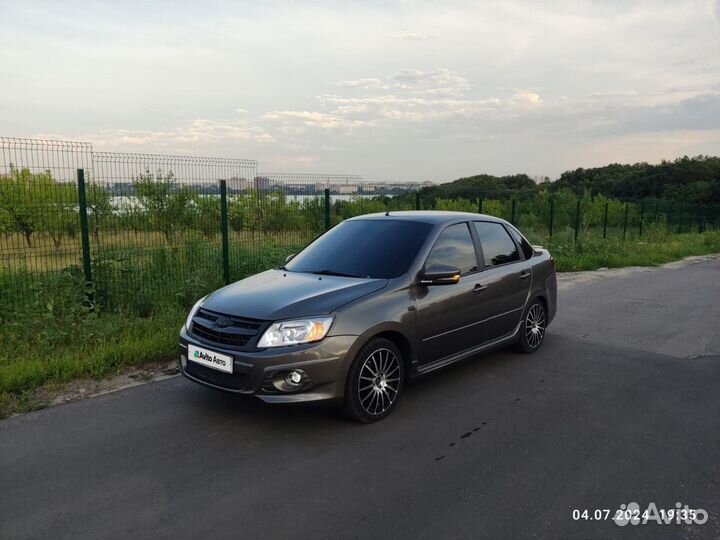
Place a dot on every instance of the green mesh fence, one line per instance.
(143, 230)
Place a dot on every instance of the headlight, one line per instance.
(192, 312)
(295, 332)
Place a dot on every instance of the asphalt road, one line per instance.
(621, 405)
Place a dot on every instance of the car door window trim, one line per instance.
(478, 266)
(509, 228)
(521, 255)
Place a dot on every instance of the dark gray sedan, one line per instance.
(369, 304)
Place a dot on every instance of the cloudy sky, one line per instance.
(406, 90)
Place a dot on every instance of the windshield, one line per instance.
(377, 248)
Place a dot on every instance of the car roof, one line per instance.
(427, 216)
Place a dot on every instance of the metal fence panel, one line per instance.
(156, 226)
(39, 221)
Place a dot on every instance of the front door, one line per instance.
(446, 313)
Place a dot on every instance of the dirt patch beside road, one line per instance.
(57, 394)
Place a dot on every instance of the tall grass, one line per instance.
(592, 252)
(140, 304)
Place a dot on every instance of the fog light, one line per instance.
(183, 360)
(293, 378)
(289, 381)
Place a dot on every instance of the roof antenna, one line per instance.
(388, 213)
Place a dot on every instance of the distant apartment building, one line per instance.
(262, 183)
(239, 183)
(344, 189)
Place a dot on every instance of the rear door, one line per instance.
(506, 277)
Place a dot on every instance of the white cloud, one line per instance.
(412, 36)
(433, 81)
(437, 81)
(527, 98)
(418, 96)
(200, 132)
(314, 119)
(362, 83)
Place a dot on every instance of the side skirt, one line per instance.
(448, 360)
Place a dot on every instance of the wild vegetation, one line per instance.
(688, 180)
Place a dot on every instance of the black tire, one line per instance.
(532, 327)
(374, 382)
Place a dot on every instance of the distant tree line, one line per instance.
(691, 180)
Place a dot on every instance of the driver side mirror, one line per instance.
(440, 274)
(289, 258)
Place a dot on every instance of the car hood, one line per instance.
(278, 294)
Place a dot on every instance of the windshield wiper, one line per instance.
(328, 272)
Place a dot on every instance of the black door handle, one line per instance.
(524, 274)
(477, 289)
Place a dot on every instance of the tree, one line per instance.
(33, 202)
(166, 205)
(245, 212)
(207, 210)
(693, 180)
(481, 185)
(99, 207)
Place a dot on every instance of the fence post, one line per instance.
(552, 215)
(417, 200)
(225, 231)
(327, 209)
(480, 204)
(605, 221)
(642, 216)
(577, 219)
(512, 218)
(85, 239)
(625, 223)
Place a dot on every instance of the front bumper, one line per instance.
(326, 363)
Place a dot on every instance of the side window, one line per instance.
(526, 248)
(455, 247)
(497, 246)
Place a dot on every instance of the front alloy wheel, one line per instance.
(532, 328)
(374, 382)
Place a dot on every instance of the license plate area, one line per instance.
(206, 357)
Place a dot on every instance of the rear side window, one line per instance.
(455, 247)
(526, 248)
(497, 246)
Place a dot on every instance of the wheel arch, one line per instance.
(397, 334)
(402, 343)
(540, 295)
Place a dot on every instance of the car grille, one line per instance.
(236, 332)
(232, 381)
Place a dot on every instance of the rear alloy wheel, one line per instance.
(532, 328)
(374, 382)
